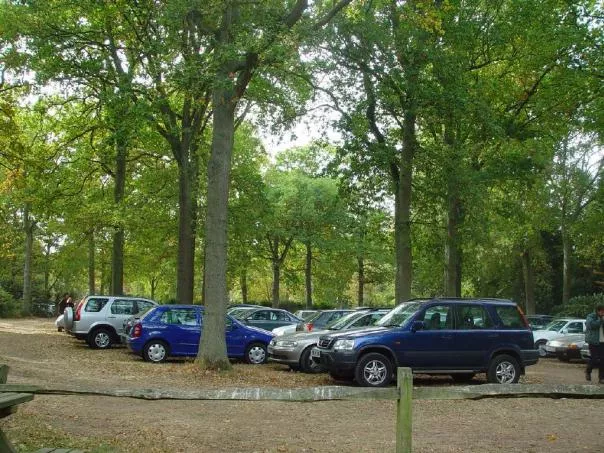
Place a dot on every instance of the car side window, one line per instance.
(472, 317)
(180, 316)
(143, 306)
(509, 316)
(261, 315)
(95, 305)
(363, 321)
(438, 317)
(575, 327)
(280, 316)
(122, 307)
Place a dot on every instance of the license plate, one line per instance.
(314, 352)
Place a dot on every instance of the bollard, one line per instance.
(404, 425)
(3, 374)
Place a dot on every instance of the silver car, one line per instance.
(295, 350)
(100, 319)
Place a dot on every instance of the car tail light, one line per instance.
(137, 331)
(78, 311)
(524, 320)
(308, 326)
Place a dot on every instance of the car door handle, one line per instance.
(111, 317)
(493, 335)
(446, 337)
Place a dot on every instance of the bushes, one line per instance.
(9, 307)
(580, 306)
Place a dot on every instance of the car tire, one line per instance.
(307, 365)
(563, 358)
(156, 351)
(341, 377)
(503, 369)
(59, 329)
(255, 354)
(68, 318)
(374, 370)
(540, 346)
(100, 338)
(463, 377)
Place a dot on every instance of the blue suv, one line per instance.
(460, 337)
(175, 330)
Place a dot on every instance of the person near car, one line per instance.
(69, 302)
(63, 303)
(594, 337)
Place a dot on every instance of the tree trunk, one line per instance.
(361, 281)
(308, 275)
(186, 235)
(529, 282)
(91, 263)
(243, 283)
(213, 345)
(28, 228)
(402, 214)
(452, 246)
(566, 270)
(47, 270)
(117, 255)
(153, 287)
(276, 282)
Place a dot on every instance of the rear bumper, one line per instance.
(529, 356)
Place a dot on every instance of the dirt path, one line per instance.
(38, 354)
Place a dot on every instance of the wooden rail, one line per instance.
(403, 394)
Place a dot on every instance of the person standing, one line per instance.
(63, 304)
(594, 337)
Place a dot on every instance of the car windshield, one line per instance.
(239, 313)
(555, 326)
(341, 323)
(399, 315)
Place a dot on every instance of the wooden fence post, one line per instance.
(3, 373)
(404, 420)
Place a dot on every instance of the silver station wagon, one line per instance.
(99, 320)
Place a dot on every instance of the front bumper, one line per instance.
(287, 356)
(341, 363)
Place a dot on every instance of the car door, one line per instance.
(235, 338)
(119, 311)
(182, 327)
(475, 336)
(575, 327)
(432, 346)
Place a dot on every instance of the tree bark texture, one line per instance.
(243, 284)
(91, 263)
(117, 254)
(361, 281)
(276, 283)
(529, 282)
(213, 344)
(308, 275)
(186, 235)
(566, 267)
(28, 228)
(453, 251)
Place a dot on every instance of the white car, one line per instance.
(556, 328)
(285, 330)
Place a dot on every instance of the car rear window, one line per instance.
(510, 316)
(180, 316)
(95, 305)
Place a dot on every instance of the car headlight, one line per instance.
(286, 343)
(344, 345)
(554, 344)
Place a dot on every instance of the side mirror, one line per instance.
(417, 325)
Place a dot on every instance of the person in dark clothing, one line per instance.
(63, 303)
(594, 337)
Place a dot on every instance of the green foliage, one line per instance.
(9, 307)
(580, 306)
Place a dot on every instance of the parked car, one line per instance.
(559, 326)
(44, 309)
(305, 314)
(100, 319)
(321, 319)
(566, 347)
(130, 322)
(175, 331)
(265, 318)
(585, 353)
(294, 350)
(460, 337)
(539, 322)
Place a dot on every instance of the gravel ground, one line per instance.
(37, 354)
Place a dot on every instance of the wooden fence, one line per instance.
(403, 394)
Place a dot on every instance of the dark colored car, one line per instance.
(265, 318)
(321, 319)
(460, 337)
(175, 330)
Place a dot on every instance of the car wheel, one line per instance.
(68, 318)
(504, 369)
(155, 351)
(59, 329)
(540, 345)
(374, 370)
(563, 358)
(463, 377)
(307, 364)
(255, 354)
(100, 338)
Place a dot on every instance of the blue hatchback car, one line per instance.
(174, 331)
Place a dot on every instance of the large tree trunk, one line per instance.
(276, 282)
(402, 211)
(213, 345)
(28, 228)
(91, 263)
(361, 281)
(308, 275)
(452, 246)
(529, 282)
(243, 283)
(117, 255)
(186, 235)
(566, 269)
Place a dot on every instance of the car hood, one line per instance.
(300, 336)
(258, 330)
(356, 333)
